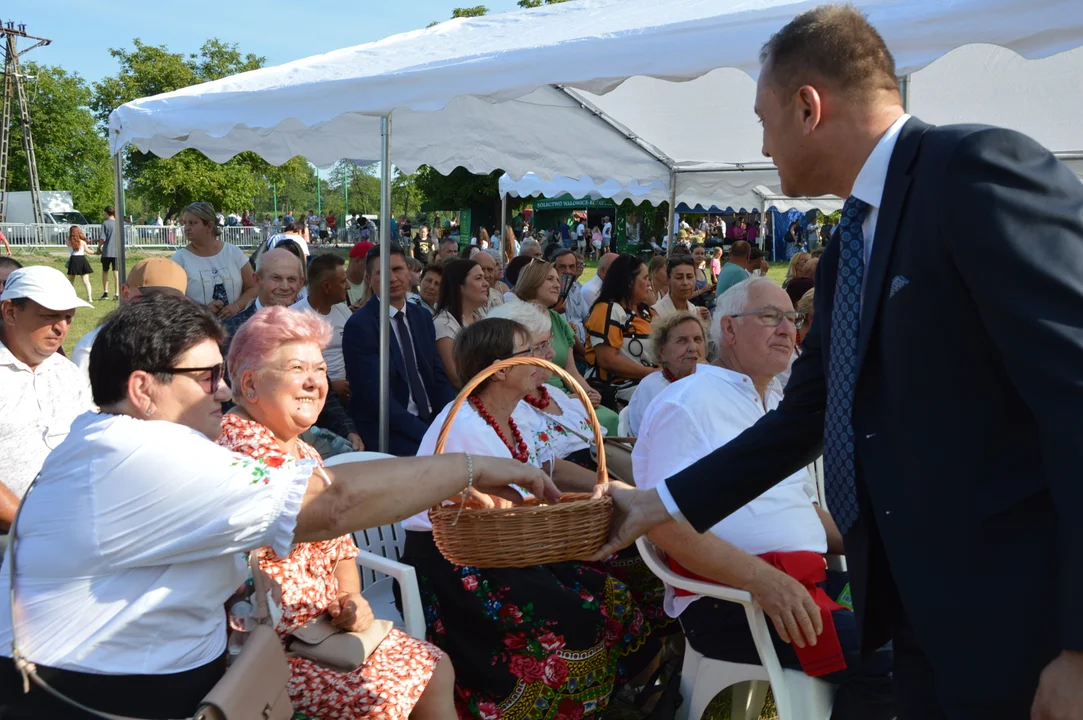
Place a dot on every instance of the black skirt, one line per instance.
(175, 695)
(79, 265)
(540, 641)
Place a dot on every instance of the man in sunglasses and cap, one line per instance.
(43, 392)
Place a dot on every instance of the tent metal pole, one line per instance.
(503, 220)
(904, 91)
(672, 213)
(118, 205)
(385, 283)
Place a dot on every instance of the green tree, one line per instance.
(172, 183)
(476, 11)
(71, 154)
(538, 3)
(459, 189)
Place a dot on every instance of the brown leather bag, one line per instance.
(254, 687)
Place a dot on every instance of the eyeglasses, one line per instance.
(539, 351)
(772, 316)
(215, 379)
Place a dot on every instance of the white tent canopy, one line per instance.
(584, 89)
(503, 91)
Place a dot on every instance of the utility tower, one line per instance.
(14, 88)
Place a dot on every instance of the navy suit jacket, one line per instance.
(361, 351)
(966, 413)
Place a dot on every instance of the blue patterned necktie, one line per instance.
(840, 481)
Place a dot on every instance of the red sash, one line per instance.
(809, 569)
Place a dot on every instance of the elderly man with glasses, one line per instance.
(774, 546)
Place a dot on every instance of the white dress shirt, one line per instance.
(700, 413)
(591, 291)
(576, 311)
(647, 390)
(869, 186)
(37, 408)
(131, 542)
(411, 406)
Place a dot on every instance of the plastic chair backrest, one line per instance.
(386, 540)
(351, 457)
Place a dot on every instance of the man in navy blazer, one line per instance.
(940, 379)
(419, 385)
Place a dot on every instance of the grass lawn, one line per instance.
(86, 318)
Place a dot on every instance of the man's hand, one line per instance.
(351, 612)
(594, 396)
(228, 311)
(342, 387)
(789, 605)
(355, 441)
(634, 513)
(1060, 690)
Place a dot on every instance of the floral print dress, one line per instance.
(390, 682)
(545, 642)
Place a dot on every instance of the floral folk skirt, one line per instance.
(549, 641)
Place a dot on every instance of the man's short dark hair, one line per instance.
(677, 261)
(561, 253)
(835, 44)
(9, 262)
(321, 266)
(374, 254)
(148, 335)
(109, 210)
(449, 239)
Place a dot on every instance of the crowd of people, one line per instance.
(275, 357)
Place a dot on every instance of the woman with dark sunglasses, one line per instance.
(130, 540)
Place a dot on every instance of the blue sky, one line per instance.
(82, 31)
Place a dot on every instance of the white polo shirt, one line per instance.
(36, 410)
(695, 416)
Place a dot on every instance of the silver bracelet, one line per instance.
(469, 484)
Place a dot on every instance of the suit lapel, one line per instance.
(887, 225)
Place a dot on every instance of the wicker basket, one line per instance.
(531, 533)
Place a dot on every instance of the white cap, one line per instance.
(44, 285)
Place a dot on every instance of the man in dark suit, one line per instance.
(941, 381)
(419, 386)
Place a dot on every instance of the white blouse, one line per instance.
(132, 541)
(561, 435)
(469, 433)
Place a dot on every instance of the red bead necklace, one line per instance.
(519, 449)
(542, 401)
(668, 375)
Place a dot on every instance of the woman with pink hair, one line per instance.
(279, 386)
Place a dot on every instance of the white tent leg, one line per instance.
(503, 221)
(672, 213)
(385, 283)
(118, 231)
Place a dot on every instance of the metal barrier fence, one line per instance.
(135, 236)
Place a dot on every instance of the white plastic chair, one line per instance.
(378, 562)
(816, 470)
(624, 428)
(797, 696)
